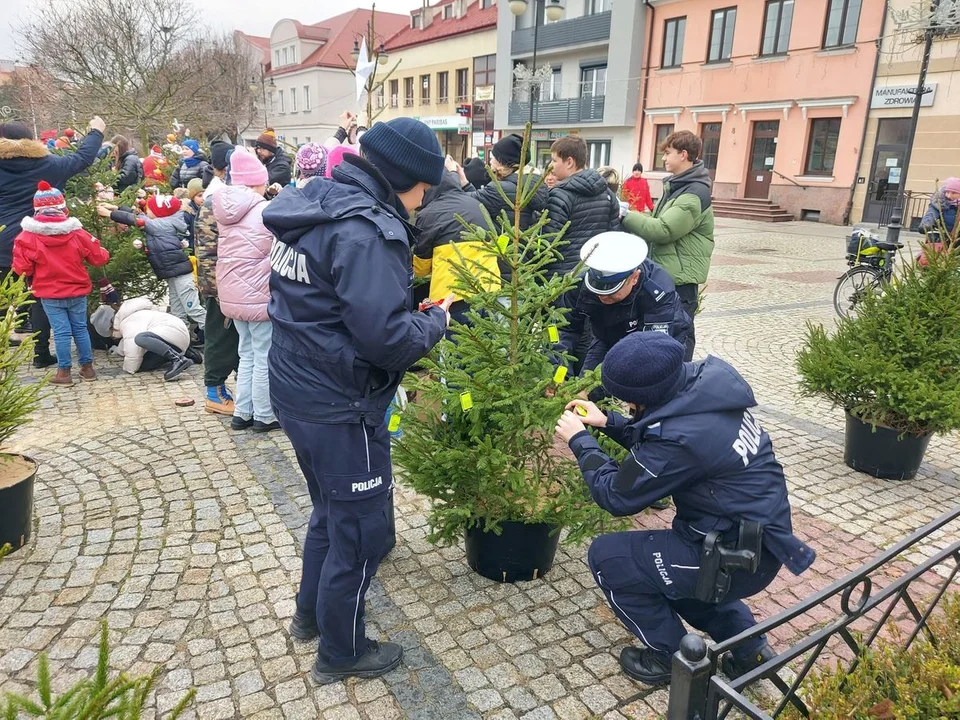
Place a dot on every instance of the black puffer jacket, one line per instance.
(490, 198)
(131, 171)
(183, 173)
(586, 202)
(163, 240)
(278, 169)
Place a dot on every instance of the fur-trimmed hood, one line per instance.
(59, 227)
(28, 149)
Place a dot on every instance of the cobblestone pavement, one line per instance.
(186, 538)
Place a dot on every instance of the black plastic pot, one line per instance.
(883, 453)
(523, 551)
(16, 509)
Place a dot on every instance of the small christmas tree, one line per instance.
(480, 440)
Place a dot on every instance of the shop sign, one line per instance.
(445, 122)
(898, 96)
(483, 93)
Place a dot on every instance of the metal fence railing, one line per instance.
(915, 204)
(860, 610)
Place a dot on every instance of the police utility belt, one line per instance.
(718, 561)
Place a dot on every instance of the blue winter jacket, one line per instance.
(653, 305)
(23, 164)
(164, 241)
(344, 326)
(706, 449)
(940, 214)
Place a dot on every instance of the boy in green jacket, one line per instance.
(680, 229)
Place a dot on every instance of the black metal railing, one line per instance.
(575, 31)
(790, 180)
(558, 112)
(915, 204)
(698, 692)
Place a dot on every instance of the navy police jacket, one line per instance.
(653, 305)
(706, 449)
(344, 330)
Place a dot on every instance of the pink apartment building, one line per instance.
(779, 91)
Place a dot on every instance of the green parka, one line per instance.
(680, 229)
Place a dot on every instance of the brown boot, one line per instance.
(87, 372)
(63, 377)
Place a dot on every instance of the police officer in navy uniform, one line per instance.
(622, 292)
(344, 332)
(690, 434)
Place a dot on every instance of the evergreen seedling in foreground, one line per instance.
(479, 442)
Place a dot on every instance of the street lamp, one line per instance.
(553, 9)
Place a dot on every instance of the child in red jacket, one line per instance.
(636, 190)
(51, 249)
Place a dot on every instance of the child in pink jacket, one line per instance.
(243, 285)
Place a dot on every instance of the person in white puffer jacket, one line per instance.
(150, 338)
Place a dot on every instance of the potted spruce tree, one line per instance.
(18, 400)
(479, 441)
(894, 368)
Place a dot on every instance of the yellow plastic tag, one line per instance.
(580, 410)
(394, 424)
(502, 242)
(560, 375)
(466, 402)
(553, 334)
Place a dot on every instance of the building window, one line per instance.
(293, 100)
(306, 99)
(408, 92)
(822, 147)
(843, 16)
(295, 141)
(593, 81)
(598, 153)
(415, 21)
(307, 138)
(448, 11)
(394, 93)
(484, 4)
(276, 61)
(463, 85)
(673, 32)
(597, 6)
(443, 87)
(722, 23)
(662, 133)
(380, 98)
(424, 89)
(777, 20)
(550, 90)
(280, 95)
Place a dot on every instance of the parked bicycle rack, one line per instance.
(698, 692)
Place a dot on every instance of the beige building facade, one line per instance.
(936, 147)
(446, 74)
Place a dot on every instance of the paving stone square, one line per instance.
(186, 538)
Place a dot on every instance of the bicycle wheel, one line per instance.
(854, 284)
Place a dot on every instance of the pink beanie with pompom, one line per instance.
(336, 157)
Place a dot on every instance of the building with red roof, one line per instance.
(446, 73)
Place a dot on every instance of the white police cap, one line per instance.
(611, 258)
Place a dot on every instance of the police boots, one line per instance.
(303, 627)
(734, 668)
(646, 665)
(379, 659)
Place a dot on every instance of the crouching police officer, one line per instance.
(622, 292)
(691, 435)
(344, 332)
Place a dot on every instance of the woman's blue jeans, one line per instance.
(68, 318)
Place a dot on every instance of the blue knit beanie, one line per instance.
(406, 151)
(192, 144)
(644, 368)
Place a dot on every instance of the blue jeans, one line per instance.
(68, 318)
(253, 377)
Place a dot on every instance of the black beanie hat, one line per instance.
(218, 154)
(507, 150)
(476, 172)
(406, 151)
(644, 368)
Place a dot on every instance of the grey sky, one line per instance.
(252, 16)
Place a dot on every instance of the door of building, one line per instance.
(883, 184)
(763, 152)
(710, 134)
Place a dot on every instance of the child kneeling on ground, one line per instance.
(52, 249)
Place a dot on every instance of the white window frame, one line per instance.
(280, 95)
(306, 99)
(293, 99)
(598, 153)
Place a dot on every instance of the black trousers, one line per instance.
(220, 345)
(38, 320)
(689, 301)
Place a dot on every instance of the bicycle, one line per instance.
(871, 263)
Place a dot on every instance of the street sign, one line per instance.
(464, 110)
(898, 96)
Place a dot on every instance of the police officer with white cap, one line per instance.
(622, 292)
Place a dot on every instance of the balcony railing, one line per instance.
(576, 31)
(559, 112)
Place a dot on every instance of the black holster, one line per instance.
(718, 561)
